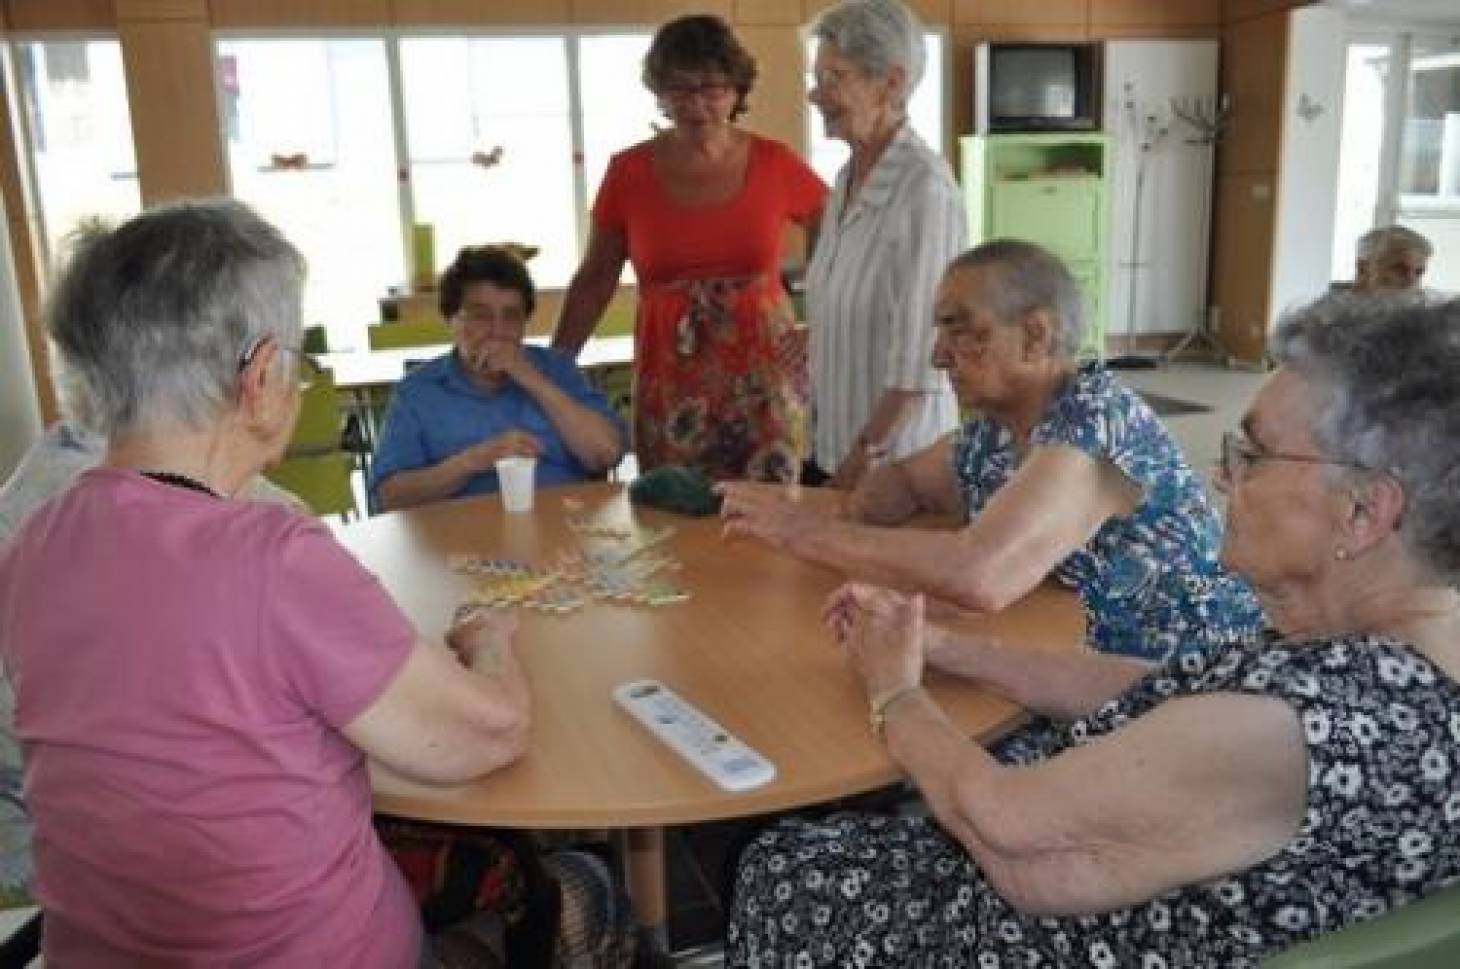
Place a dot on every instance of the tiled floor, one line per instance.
(1226, 391)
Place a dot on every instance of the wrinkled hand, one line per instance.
(504, 358)
(483, 455)
(881, 634)
(482, 640)
(763, 511)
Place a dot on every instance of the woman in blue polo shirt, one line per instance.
(451, 419)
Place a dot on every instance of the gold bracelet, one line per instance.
(879, 707)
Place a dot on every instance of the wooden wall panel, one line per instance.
(618, 12)
(1253, 65)
(1022, 13)
(23, 15)
(1242, 261)
(161, 10)
(409, 13)
(22, 221)
(1235, 10)
(1153, 14)
(778, 103)
(169, 68)
(767, 12)
(246, 14)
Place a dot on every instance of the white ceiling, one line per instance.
(1432, 11)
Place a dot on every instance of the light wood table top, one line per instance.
(366, 369)
(748, 648)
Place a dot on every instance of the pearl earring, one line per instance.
(1341, 554)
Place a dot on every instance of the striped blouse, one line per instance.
(869, 299)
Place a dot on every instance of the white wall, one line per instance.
(1168, 273)
(1308, 163)
(20, 418)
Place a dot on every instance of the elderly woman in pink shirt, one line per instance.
(200, 680)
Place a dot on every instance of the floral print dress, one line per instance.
(1381, 726)
(1151, 584)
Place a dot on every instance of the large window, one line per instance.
(308, 127)
(491, 145)
(1406, 88)
(486, 138)
(926, 111)
(80, 134)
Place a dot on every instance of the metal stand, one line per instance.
(1207, 119)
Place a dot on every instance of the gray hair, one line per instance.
(876, 35)
(1030, 278)
(1392, 237)
(152, 319)
(1384, 370)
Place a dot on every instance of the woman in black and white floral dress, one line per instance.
(1227, 806)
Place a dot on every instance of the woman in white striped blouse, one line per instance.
(893, 223)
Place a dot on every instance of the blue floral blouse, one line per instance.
(1151, 583)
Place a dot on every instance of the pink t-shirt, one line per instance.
(182, 668)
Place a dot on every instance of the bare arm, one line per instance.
(1201, 787)
(1051, 507)
(589, 436)
(445, 719)
(920, 483)
(593, 285)
(419, 486)
(1065, 685)
(1195, 788)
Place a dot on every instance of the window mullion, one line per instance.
(402, 154)
(575, 127)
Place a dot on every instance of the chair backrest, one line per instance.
(388, 336)
(321, 481)
(618, 316)
(1422, 935)
(320, 418)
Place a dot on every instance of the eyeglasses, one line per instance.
(712, 90)
(311, 371)
(1239, 456)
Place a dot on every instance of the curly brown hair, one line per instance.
(700, 42)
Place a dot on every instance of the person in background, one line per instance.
(1391, 258)
(893, 223)
(199, 680)
(1065, 473)
(700, 210)
(1228, 806)
(491, 397)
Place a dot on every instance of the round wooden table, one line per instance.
(748, 648)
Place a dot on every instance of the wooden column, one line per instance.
(168, 54)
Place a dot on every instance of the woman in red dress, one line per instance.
(700, 210)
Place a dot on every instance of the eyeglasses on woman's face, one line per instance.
(686, 89)
(1240, 455)
(310, 369)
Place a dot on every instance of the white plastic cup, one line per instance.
(516, 476)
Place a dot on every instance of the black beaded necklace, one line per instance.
(180, 481)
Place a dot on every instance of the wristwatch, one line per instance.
(878, 707)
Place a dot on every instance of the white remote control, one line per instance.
(719, 755)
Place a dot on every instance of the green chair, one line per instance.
(618, 317)
(1422, 935)
(616, 382)
(315, 466)
(392, 336)
(321, 481)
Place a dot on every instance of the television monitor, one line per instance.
(1036, 87)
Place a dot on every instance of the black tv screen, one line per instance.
(1038, 86)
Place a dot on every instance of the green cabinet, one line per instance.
(1051, 189)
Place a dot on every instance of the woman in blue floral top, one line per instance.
(1228, 806)
(1064, 473)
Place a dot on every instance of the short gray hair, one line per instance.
(876, 35)
(151, 319)
(1030, 278)
(1384, 370)
(1392, 237)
